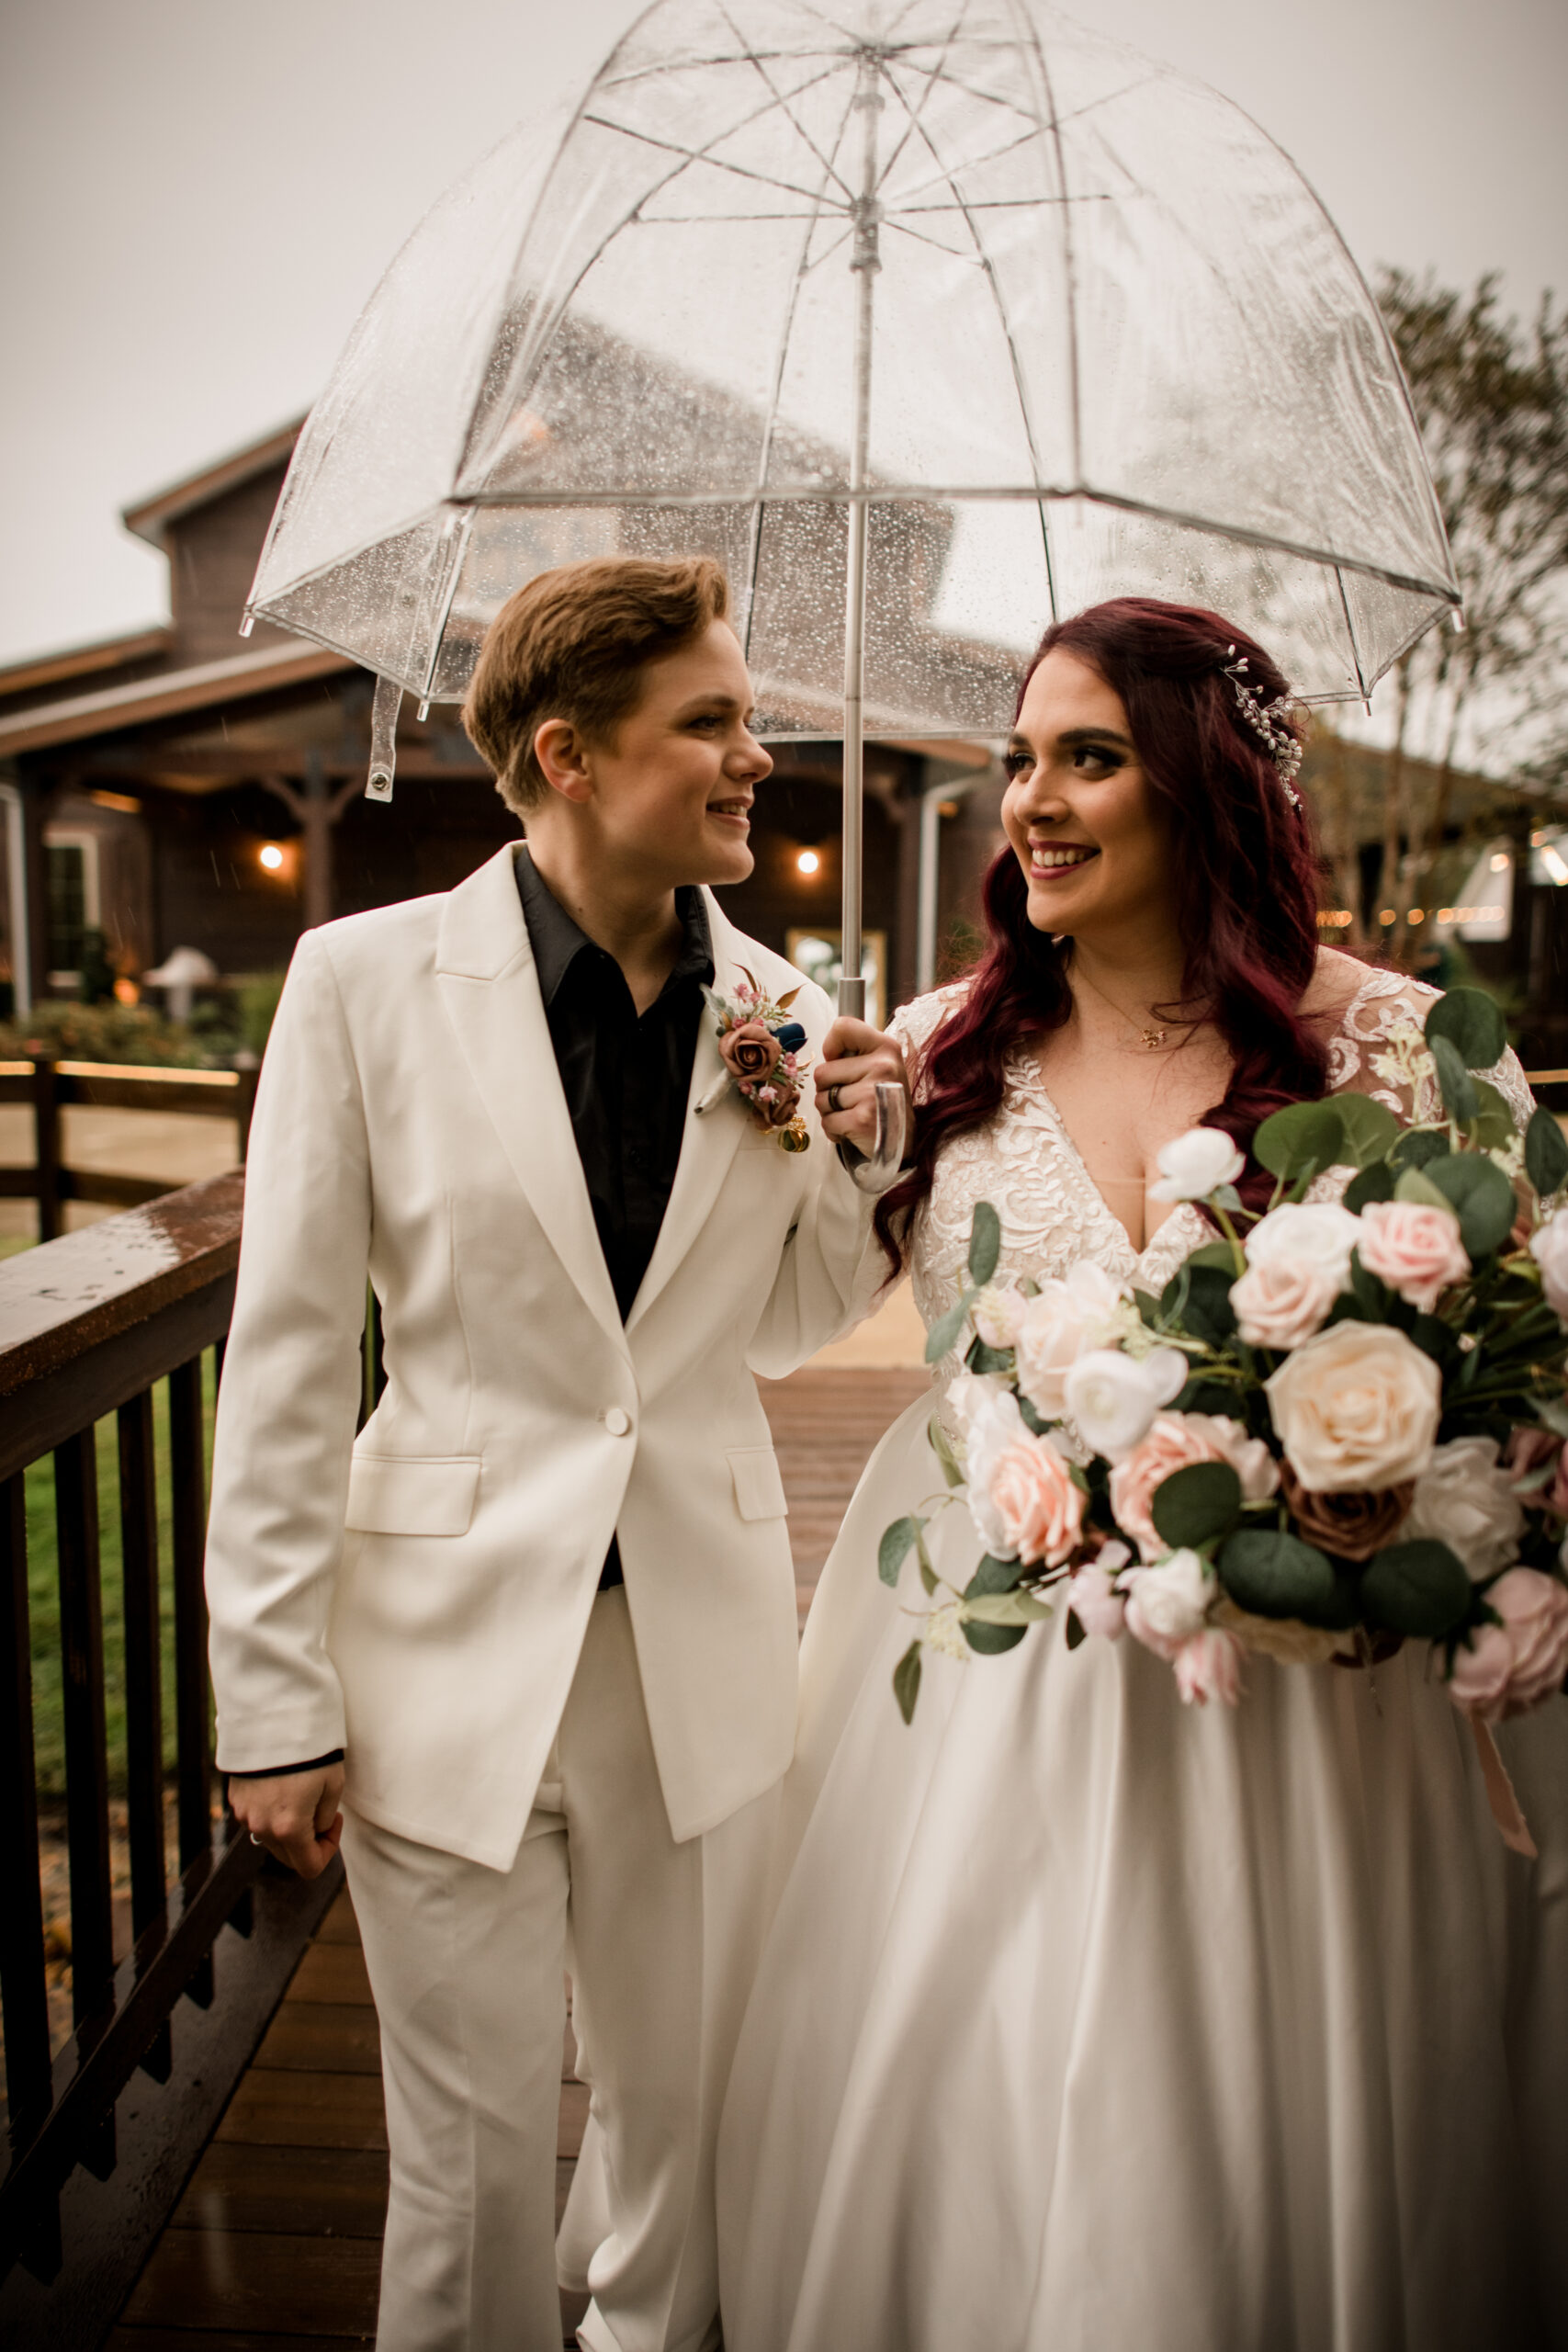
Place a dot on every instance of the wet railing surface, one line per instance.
(89, 1326)
(49, 1086)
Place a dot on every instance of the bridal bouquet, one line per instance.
(1340, 1428)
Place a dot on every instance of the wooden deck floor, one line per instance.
(277, 2242)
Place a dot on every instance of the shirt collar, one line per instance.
(557, 941)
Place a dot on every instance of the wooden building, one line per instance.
(182, 788)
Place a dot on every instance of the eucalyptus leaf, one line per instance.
(991, 1640)
(942, 1446)
(1005, 1609)
(1494, 1127)
(1480, 1196)
(1375, 1182)
(894, 1548)
(1075, 1632)
(1369, 1128)
(1214, 1254)
(1552, 1415)
(994, 1576)
(1033, 1420)
(1469, 1020)
(1460, 1098)
(982, 1358)
(906, 1681)
(1303, 1137)
(1419, 1588)
(1207, 1312)
(943, 1333)
(928, 1574)
(1368, 1292)
(1274, 1573)
(1416, 1146)
(985, 1243)
(1196, 1504)
(1148, 1308)
(1416, 1185)
(1546, 1153)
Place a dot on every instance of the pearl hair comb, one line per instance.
(1267, 720)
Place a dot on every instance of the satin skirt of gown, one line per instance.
(1088, 2021)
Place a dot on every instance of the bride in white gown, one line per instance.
(1088, 2022)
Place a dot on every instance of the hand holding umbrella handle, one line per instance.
(878, 1170)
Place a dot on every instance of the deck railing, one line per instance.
(49, 1086)
(89, 1325)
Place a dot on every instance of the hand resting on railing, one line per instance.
(295, 1815)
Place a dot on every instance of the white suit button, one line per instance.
(618, 1423)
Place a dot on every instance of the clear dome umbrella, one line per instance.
(933, 319)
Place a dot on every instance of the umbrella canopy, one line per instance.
(952, 295)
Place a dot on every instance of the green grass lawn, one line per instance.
(43, 1592)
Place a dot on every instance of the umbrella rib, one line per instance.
(1069, 265)
(702, 155)
(780, 100)
(932, 74)
(944, 173)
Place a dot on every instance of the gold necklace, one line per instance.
(1153, 1039)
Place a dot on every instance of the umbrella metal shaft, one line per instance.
(864, 263)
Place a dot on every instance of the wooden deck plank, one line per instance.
(205, 2339)
(302, 2192)
(274, 2108)
(308, 2035)
(333, 1973)
(239, 2279)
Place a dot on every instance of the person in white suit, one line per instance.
(535, 1626)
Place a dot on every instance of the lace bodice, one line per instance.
(1051, 1211)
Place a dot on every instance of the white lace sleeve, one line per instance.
(916, 1023)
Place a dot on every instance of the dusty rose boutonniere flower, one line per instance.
(759, 1045)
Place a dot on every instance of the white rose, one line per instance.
(1548, 1247)
(1321, 1236)
(1357, 1409)
(1166, 1606)
(968, 1393)
(1464, 1500)
(993, 1424)
(1197, 1164)
(1280, 1302)
(998, 1315)
(1112, 1399)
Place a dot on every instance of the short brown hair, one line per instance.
(573, 644)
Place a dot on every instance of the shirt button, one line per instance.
(618, 1423)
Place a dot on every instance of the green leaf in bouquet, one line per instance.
(1493, 1127)
(906, 1681)
(1416, 1146)
(1194, 1505)
(1274, 1573)
(1033, 1420)
(1469, 1020)
(1420, 1588)
(1214, 1253)
(1371, 1129)
(1434, 1338)
(1552, 1415)
(994, 1576)
(1415, 1184)
(928, 1574)
(1206, 1313)
(942, 1446)
(985, 1244)
(1460, 1098)
(1374, 1297)
(1301, 1140)
(1546, 1153)
(1148, 1308)
(943, 1333)
(1342, 1607)
(991, 1640)
(1481, 1196)
(894, 1548)
(1204, 1396)
(1374, 1183)
(1076, 1633)
(981, 1358)
(1005, 1609)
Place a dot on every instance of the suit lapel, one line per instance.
(710, 1138)
(484, 968)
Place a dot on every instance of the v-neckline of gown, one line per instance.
(1196, 1223)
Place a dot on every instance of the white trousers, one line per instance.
(466, 1967)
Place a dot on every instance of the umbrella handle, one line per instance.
(878, 1171)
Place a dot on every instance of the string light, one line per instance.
(270, 855)
(808, 862)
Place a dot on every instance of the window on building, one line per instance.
(70, 899)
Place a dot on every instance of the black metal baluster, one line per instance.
(24, 1992)
(187, 1481)
(143, 1685)
(86, 1758)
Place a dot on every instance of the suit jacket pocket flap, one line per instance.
(393, 1494)
(759, 1490)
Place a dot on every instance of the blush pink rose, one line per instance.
(1280, 1302)
(1510, 1668)
(1094, 1600)
(1207, 1666)
(1176, 1440)
(1038, 1506)
(1416, 1250)
(1478, 1682)
(1531, 1448)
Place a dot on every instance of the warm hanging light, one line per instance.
(270, 855)
(808, 862)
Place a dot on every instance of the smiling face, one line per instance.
(670, 794)
(1091, 836)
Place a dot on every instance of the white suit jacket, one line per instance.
(419, 1597)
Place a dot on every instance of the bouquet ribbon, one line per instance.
(1506, 1811)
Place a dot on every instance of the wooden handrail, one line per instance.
(50, 1087)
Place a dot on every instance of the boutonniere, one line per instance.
(759, 1044)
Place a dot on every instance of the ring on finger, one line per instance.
(834, 1104)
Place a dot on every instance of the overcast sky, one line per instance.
(196, 197)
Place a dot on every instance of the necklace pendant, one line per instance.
(1152, 1037)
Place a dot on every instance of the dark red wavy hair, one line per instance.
(1246, 876)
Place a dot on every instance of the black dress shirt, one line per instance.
(625, 1076)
